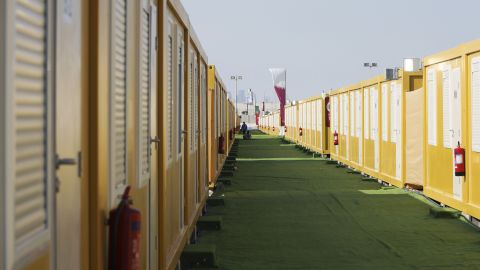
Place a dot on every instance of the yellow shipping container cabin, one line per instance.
(313, 115)
(275, 122)
(368, 117)
(268, 122)
(452, 116)
(291, 122)
(97, 96)
(218, 105)
(302, 119)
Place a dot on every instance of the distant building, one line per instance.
(250, 118)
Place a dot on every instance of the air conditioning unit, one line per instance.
(412, 64)
(391, 74)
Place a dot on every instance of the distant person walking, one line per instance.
(243, 128)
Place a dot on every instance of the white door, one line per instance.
(346, 123)
(358, 125)
(196, 128)
(68, 133)
(456, 127)
(374, 124)
(398, 130)
(149, 17)
(181, 121)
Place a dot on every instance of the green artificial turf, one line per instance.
(286, 210)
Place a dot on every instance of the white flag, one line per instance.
(279, 76)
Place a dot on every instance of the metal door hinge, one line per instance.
(57, 185)
(79, 167)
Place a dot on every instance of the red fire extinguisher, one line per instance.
(335, 138)
(221, 144)
(459, 156)
(301, 132)
(124, 236)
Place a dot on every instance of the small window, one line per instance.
(366, 113)
(384, 112)
(393, 112)
(358, 116)
(191, 99)
(352, 114)
(432, 106)
(475, 103)
(446, 108)
(169, 104)
(373, 114)
(204, 103)
(195, 103)
(26, 145)
(180, 103)
(345, 114)
(118, 101)
(144, 96)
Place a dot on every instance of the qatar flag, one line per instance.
(279, 76)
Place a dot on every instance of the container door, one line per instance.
(352, 121)
(204, 127)
(181, 123)
(456, 127)
(358, 123)
(346, 115)
(374, 125)
(149, 59)
(196, 127)
(320, 124)
(68, 134)
(398, 129)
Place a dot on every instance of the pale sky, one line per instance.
(324, 43)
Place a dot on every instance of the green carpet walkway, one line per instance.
(286, 210)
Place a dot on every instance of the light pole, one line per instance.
(370, 65)
(236, 78)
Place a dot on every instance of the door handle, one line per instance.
(64, 161)
(155, 140)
